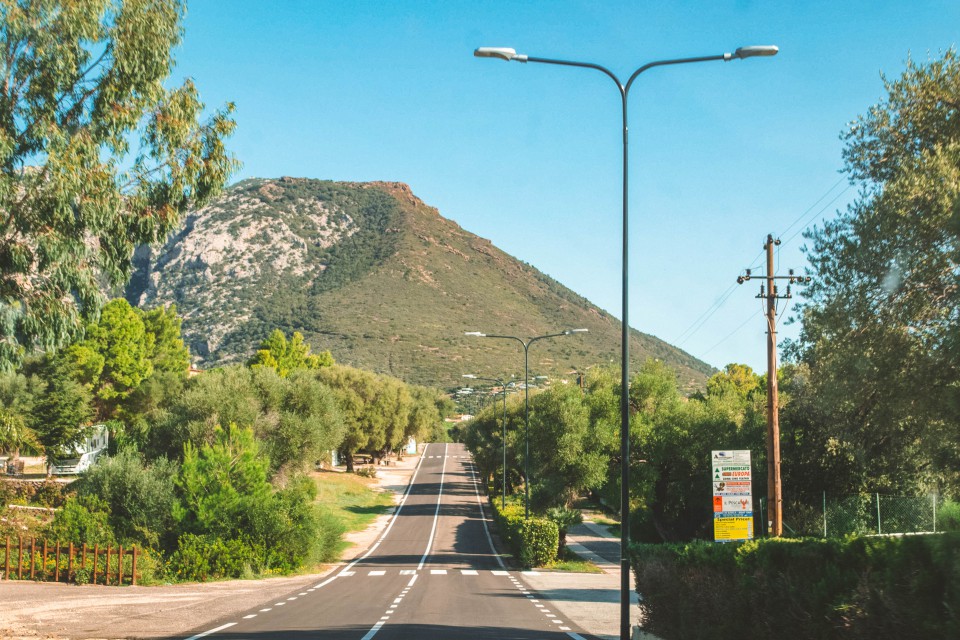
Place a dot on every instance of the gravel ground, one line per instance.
(33, 610)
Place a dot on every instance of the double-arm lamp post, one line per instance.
(503, 390)
(526, 400)
(624, 88)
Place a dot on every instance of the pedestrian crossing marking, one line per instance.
(500, 573)
(469, 572)
(438, 572)
(408, 572)
(377, 573)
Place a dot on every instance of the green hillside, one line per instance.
(381, 280)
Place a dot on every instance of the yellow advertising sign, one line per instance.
(732, 528)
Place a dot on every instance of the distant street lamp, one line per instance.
(508, 54)
(526, 400)
(503, 390)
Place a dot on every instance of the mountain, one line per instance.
(382, 280)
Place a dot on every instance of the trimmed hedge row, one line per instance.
(877, 588)
(533, 541)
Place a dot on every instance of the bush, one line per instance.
(82, 520)
(539, 542)
(948, 517)
(874, 588)
(139, 497)
(533, 541)
(201, 558)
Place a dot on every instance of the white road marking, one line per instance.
(436, 515)
(500, 573)
(252, 615)
(280, 604)
(412, 580)
(346, 573)
(408, 572)
(377, 573)
(469, 572)
(325, 582)
(393, 519)
(292, 598)
(373, 631)
(438, 572)
(207, 633)
(267, 609)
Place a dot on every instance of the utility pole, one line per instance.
(774, 489)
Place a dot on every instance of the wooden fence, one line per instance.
(60, 563)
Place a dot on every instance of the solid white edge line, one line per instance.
(483, 517)
(207, 633)
(396, 513)
(436, 516)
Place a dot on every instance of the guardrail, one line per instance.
(79, 564)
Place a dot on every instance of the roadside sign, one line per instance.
(732, 495)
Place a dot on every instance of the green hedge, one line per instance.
(877, 588)
(533, 541)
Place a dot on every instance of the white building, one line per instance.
(86, 453)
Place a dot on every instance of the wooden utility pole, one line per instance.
(774, 490)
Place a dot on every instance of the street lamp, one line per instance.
(526, 400)
(507, 54)
(503, 389)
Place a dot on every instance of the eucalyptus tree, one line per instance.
(98, 154)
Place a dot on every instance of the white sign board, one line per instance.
(732, 495)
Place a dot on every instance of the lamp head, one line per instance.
(469, 375)
(569, 331)
(754, 52)
(504, 53)
(475, 334)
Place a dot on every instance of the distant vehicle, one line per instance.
(85, 454)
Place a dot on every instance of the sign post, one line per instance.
(732, 496)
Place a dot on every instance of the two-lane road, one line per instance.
(433, 573)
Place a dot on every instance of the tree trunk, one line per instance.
(348, 458)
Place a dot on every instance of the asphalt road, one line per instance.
(433, 573)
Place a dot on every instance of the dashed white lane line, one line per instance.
(438, 572)
(211, 631)
(469, 572)
(252, 615)
(377, 573)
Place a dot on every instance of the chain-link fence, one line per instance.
(869, 514)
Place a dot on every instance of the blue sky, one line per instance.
(721, 153)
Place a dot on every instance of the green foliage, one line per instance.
(138, 496)
(167, 352)
(563, 464)
(948, 517)
(295, 418)
(880, 328)
(200, 558)
(284, 356)
(63, 410)
(540, 541)
(121, 339)
(82, 520)
(873, 588)
(85, 80)
(227, 502)
(223, 486)
(375, 409)
(534, 541)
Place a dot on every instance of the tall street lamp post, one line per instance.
(507, 54)
(526, 401)
(503, 390)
